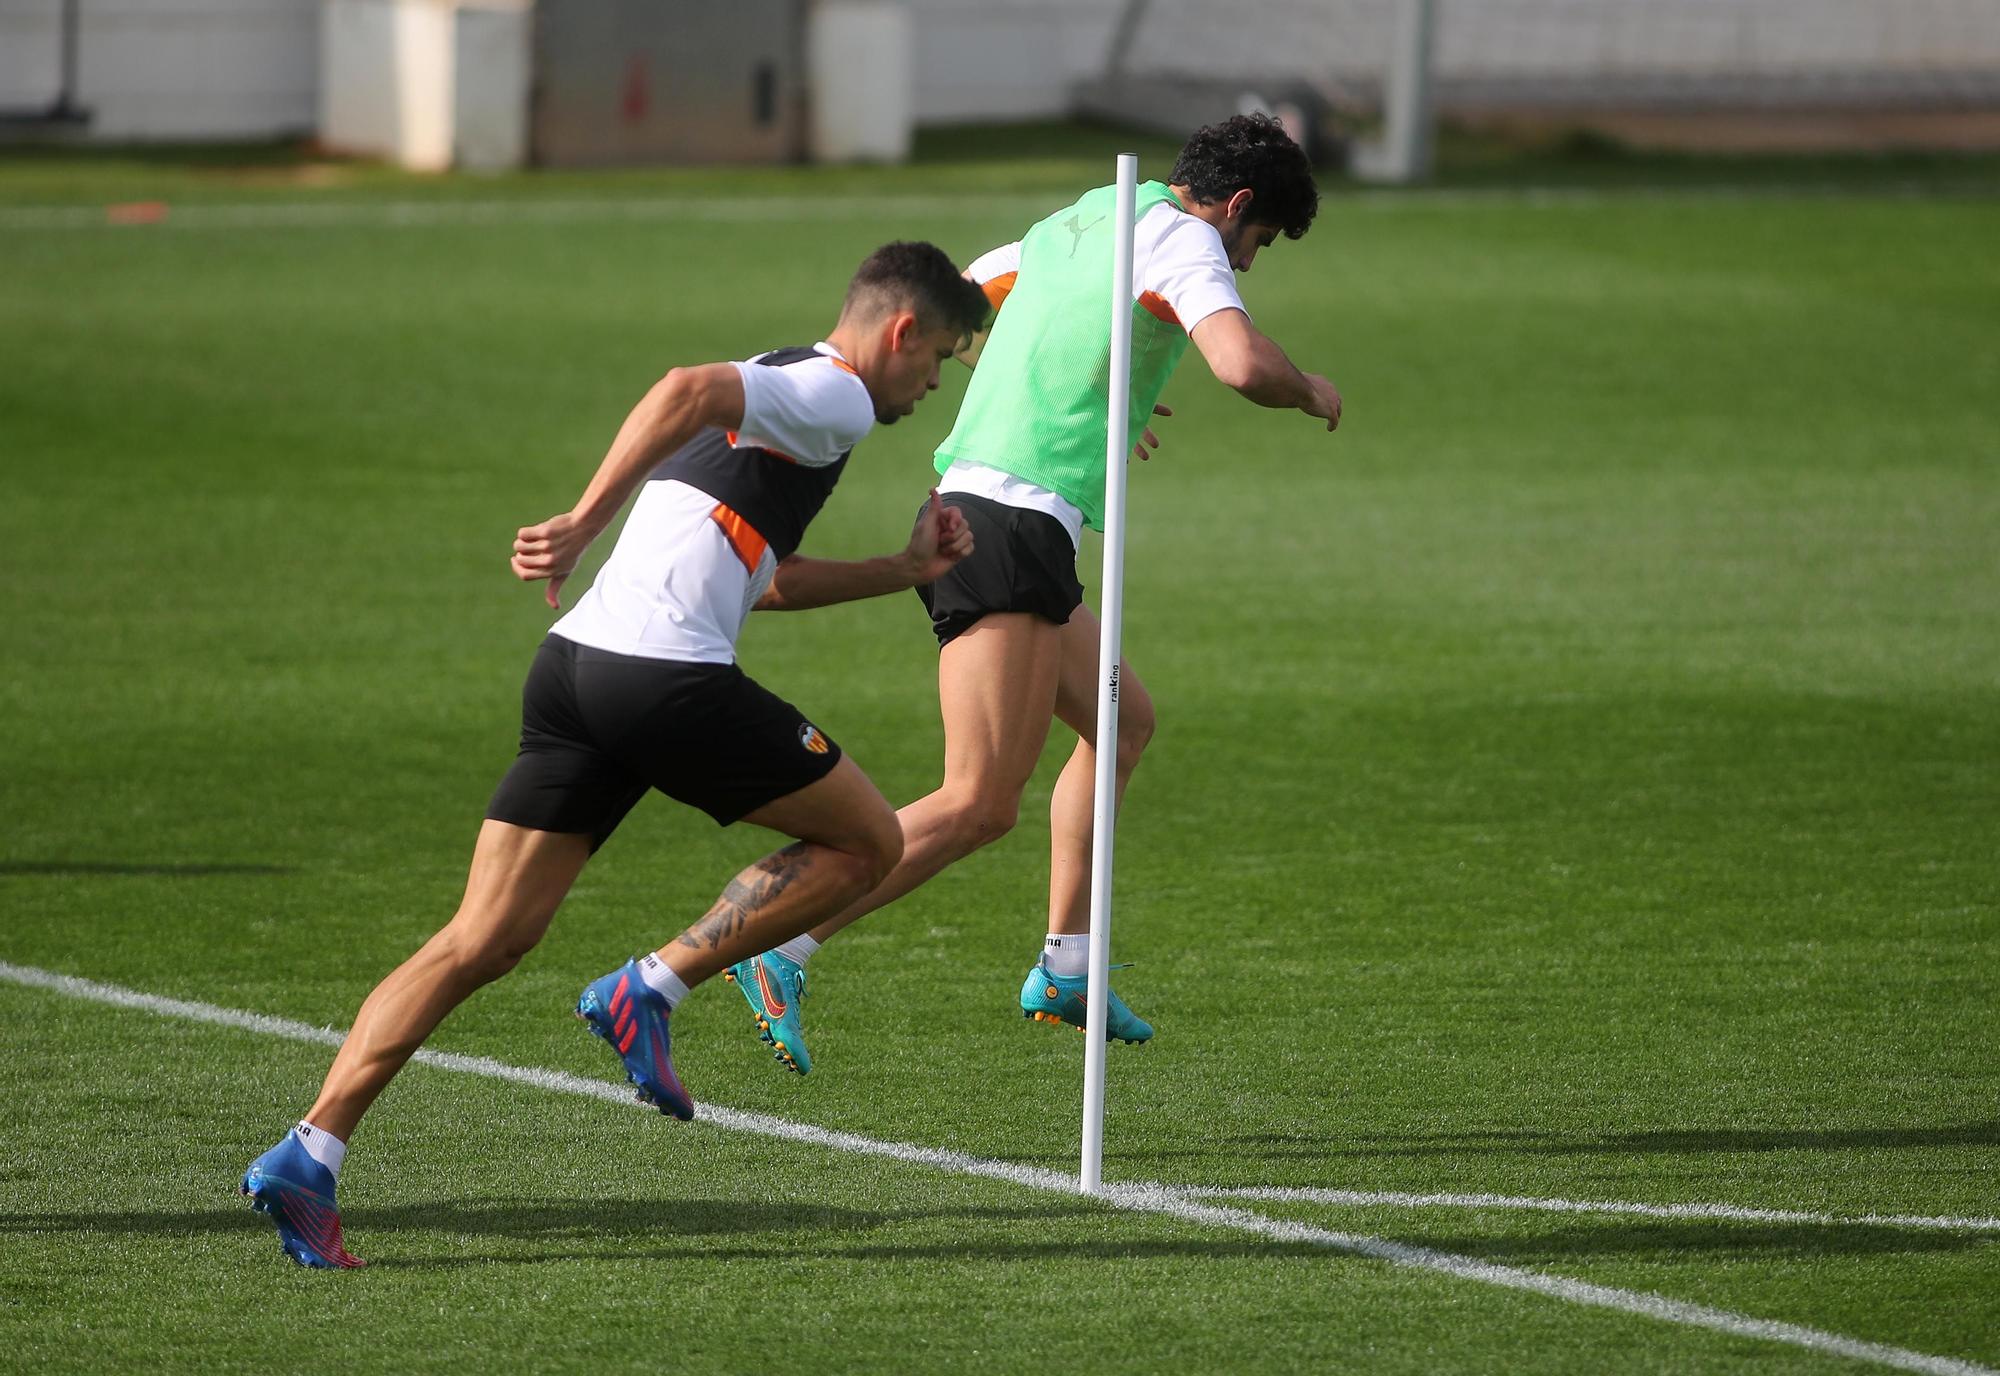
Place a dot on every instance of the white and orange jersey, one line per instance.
(709, 526)
(1180, 273)
(1180, 270)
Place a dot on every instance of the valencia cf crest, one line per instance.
(811, 739)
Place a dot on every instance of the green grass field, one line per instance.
(1579, 779)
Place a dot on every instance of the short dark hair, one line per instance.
(920, 276)
(1254, 151)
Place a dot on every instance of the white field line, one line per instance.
(1138, 1197)
(1731, 1212)
(754, 208)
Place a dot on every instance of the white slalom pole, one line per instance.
(1104, 815)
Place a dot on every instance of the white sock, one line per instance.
(662, 980)
(322, 1146)
(799, 949)
(1067, 955)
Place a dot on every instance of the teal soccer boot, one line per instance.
(1063, 998)
(774, 987)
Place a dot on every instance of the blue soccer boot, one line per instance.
(297, 1192)
(625, 1011)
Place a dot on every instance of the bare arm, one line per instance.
(994, 271)
(1245, 358)
(676, 409)
(940, 539)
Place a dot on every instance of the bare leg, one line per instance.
(518, 879)
(996, 689)
(848, 840)
(1071, 808)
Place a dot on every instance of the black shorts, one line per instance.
(598, 729)
(1021, 561)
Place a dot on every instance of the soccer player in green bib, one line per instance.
(1025, 464)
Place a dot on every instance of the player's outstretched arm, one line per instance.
(940, 539)
(1245, 358)
(676, 409)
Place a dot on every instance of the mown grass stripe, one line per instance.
(1140, 1197)
(757, 207)
(1399, 1199)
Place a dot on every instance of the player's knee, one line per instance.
(478, 962)
(480, 957)
(980, 821)
(1135, 733)
(851, 870)
(881, 847)
(862, 858)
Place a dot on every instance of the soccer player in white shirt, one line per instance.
(637, 689)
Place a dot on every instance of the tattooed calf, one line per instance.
(746, 893)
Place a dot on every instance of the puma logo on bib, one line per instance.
(1077, 230)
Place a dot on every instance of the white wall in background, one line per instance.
(858, 63)
(195, 69)
(1005, 59)
(171, 69)
(386, 85)
(426, 84)
(491, 76)
(30, 69)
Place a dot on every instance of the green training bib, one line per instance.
(1039, 403)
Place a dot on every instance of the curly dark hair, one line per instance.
(1251, 151)
(922, 277)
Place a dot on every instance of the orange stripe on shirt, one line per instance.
(774, 453)
(997, 288)
(742, 536)
(1156, 305)
(844, 367)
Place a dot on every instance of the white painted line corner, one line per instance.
(1139, 1196)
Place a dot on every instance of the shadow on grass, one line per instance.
(1065, 1248)
(608, 1219)
(1714, 1240)
(1675, 1140)
(435, 1236)
(663, 1229)
(64, 869)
